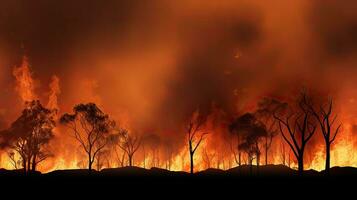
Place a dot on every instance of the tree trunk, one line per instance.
(327, 165)
(250, 164)
(266, 150)
(34, 162)
(29, 164)
(300, 165)
(239, 159)
(24, 164)
(191, 156)
(89, 162)
(130, 160)
(191, 164)
(258, 163)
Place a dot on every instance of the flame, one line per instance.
(54, 92)
(342, 152)
(70, 157)
(25, 85)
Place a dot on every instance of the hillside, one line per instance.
(269, 171)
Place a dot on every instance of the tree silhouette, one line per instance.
(251, 149)
(100, 159)
(234, 147)
(30, 134)
(252, 131)
(235, 141)
(91, 128)
(265, 113)
(14, 162)
(326, 121)
(208, 158)
(195, 135)
(300, 128)
(119, 156)
(129, 144)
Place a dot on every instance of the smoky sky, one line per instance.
(49, 29)
(160, 60)
(335, 27)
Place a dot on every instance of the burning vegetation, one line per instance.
(275, 131)
(220, 86)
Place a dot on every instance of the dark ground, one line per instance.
(268, 181)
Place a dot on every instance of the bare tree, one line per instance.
(251, 151)
(91, 128)
(195, 135)
(14, 162)
(234, 147)
(300, 130)
(236, 154)
(100, 159)
(267, 107)
(267, 144)
(326, 121)
(129, 144)
(120, 157)
(208, 158)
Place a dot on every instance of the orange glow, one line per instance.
(25, 85)
(150, 66)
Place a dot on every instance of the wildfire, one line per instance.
(54, 92)
(342, 154)
(215, 145)
(25, 85)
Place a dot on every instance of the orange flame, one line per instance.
(25, 85)
(54, 92)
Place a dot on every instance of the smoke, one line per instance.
(335, 25)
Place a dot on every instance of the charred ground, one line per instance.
(267, 181)
(241, 172)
